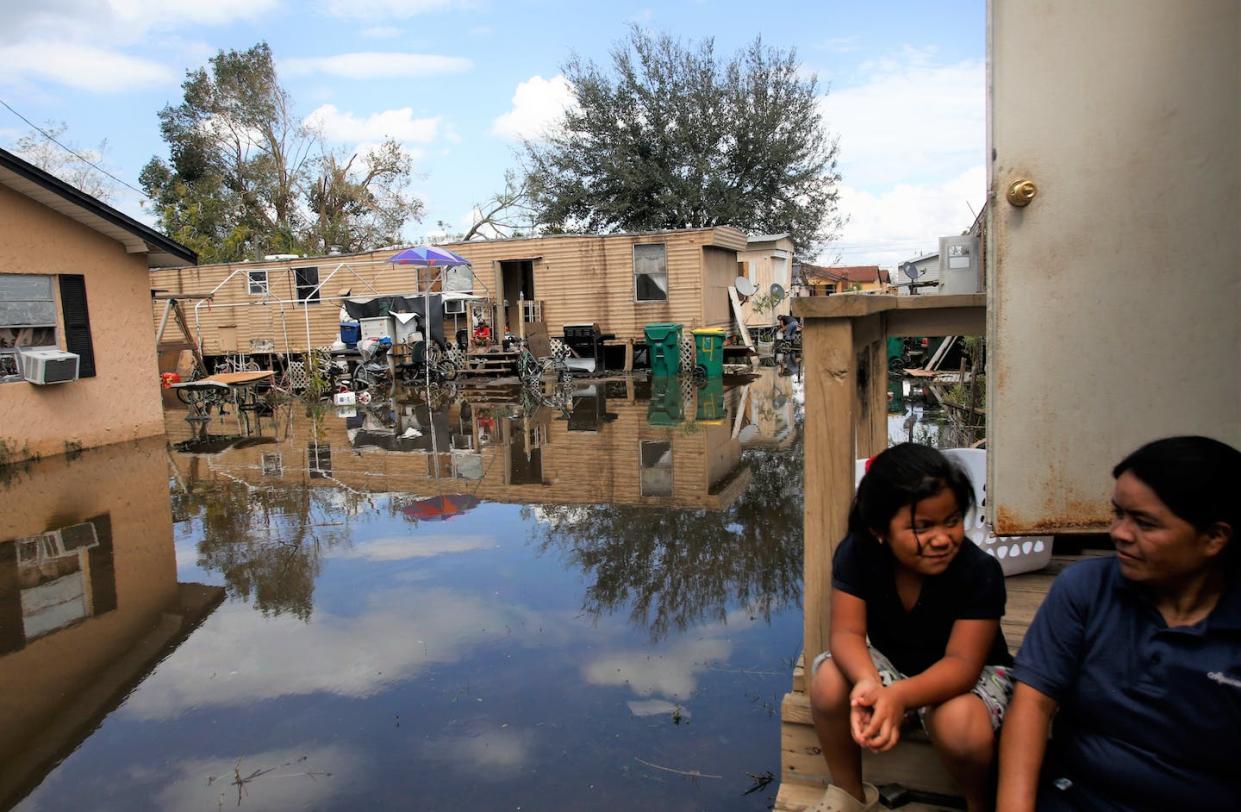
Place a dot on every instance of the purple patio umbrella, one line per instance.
(429, 256)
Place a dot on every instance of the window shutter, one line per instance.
(77, 323)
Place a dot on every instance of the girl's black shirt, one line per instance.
(971, 588)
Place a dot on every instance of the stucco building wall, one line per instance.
(122, 401)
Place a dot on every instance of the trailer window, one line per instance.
(307, 284)
(650, 273)
(258, 282)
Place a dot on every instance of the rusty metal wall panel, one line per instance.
(1114, 295)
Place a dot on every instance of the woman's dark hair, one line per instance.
(1198, 478)
(899, 478)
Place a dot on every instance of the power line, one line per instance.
(81, 158)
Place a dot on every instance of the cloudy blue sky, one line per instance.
(461, 81)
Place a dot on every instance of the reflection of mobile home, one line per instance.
(615, 444)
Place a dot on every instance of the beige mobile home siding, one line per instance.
(578, 279)
(762, 257)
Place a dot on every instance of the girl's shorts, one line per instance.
(994, 686)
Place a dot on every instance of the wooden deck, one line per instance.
(913, 764)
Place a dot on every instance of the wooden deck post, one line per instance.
(830, 455)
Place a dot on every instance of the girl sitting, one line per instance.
(915, 626)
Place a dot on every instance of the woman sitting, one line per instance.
(1138, 655)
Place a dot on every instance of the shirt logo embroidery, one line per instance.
(1223, 679)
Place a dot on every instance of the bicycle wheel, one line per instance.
(362, 378)
(446, 370)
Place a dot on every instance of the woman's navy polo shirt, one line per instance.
(1150, 716)
(971, 588)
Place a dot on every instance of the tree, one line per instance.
(42, 150)
(362, 206)
(505, 214)
(247, 177)
(673, 137)
(676, 568)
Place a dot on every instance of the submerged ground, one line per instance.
(495, 601)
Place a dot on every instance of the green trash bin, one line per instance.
(709, 351)
(666, 408)
(663, 340)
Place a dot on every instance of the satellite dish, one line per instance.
(744, 286)
(910, 271)
(777, 291)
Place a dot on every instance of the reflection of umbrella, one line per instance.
(429, 256)
(439, 507)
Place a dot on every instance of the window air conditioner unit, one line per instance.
(454, 307)
(49, 366)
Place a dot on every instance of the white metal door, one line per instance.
(1114, 295)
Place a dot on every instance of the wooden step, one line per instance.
(794, 797)
(913, 763)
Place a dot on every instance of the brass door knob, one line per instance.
(1021, 192)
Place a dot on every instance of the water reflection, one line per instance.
(678, 568)
(266, 541)
(503, 598)
(89, 599)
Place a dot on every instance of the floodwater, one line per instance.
(494, 602)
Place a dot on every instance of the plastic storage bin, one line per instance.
(709, 350)
(1016, 554)
(664, 341)
(350, 334)
(376, 327)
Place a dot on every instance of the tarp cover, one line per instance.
(383, 305)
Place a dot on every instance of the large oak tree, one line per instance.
(672, 136)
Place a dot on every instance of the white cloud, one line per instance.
(119, 21)
(495, 753)
(672, 674)
(381, 32)
(892, 226)
(390, 9)
(80, 66)
(912, 143)
(400, 548)
(376, 65)
(299, 778)
(842, 45)
(400, 124)
(538, 104)
(241, 657)
(909, 120)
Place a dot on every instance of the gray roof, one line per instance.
(766, 237)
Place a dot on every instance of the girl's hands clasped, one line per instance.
(875, 715)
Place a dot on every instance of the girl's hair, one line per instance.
(1198, 478)
(901, 477)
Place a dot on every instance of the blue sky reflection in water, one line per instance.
(514, 656)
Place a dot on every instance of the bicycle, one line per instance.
(531, 369)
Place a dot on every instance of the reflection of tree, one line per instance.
(681, 567)
(266, 542)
